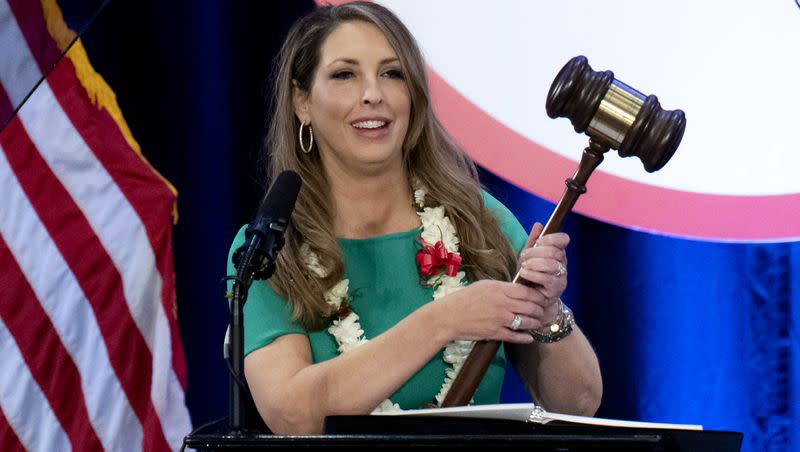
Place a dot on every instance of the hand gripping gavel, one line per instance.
(615, 116)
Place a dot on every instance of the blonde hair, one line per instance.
(430, 156)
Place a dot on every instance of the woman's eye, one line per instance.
(394, 73)
(342, 75)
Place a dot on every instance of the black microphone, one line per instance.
(264, 235)
(256, 260)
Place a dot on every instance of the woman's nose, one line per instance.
(372, 93)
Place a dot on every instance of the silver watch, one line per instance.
(559, 329)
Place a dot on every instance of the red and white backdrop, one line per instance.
(728, 65)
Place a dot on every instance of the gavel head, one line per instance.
(615, 114)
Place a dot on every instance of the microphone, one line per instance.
(255, 260)
(264, 235)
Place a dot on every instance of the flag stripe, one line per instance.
(150, 201)
(82, 323)
(41, 348)
(30, 19)
(121, 230)
(8, 438)
(5, 102)
(18, 72)
(23, 403)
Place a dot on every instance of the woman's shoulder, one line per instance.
(238, 241)
(267, 315)
(507, 221)
(498, 209)
(493, 204)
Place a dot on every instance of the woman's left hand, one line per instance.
(543, 261)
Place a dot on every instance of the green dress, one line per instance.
(385, 288)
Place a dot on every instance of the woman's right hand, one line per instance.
(486, 309)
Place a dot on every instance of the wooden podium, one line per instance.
(421, 433)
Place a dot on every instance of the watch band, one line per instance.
(559, 329)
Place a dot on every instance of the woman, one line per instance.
(390, 217)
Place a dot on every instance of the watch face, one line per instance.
(560, 329)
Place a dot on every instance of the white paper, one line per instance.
(529, 412)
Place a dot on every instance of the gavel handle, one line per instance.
(482, 354)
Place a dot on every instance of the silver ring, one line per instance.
(516, 322)
(561, 270)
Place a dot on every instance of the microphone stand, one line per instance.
(255, 259)
(256, 262)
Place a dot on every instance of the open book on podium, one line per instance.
(528, 427)
(485, 427)
(529, 412)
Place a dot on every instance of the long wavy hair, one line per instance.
(430, 156)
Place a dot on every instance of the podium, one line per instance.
(428, 433)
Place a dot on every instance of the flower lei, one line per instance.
(438, 263)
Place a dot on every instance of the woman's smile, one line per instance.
(374, 128)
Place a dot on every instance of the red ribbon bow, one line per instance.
(343, 312)
(431, 258)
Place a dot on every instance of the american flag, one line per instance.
(90, 355)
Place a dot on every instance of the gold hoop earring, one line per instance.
(305, 149)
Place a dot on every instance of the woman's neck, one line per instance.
(371, 206)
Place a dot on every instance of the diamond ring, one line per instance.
(561, 270)
(516, 322)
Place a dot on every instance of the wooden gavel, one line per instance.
(614, 116)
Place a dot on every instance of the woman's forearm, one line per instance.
(352, 383)
(563, 376)
(357, 381)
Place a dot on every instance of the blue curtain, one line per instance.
(686, 331)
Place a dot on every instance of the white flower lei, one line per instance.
(436, 226)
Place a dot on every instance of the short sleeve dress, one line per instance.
(385, 288)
